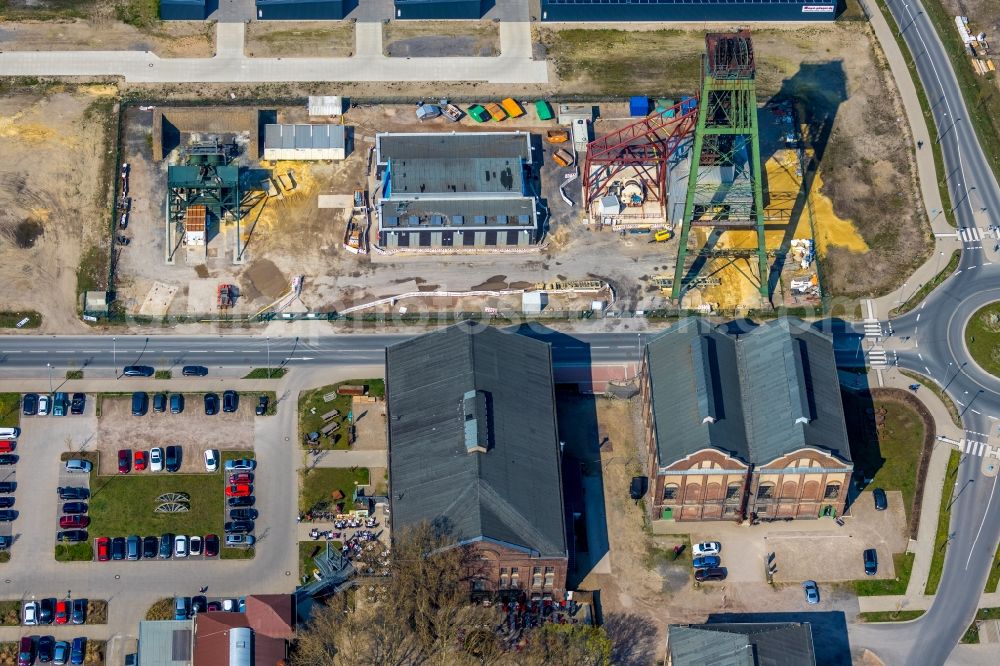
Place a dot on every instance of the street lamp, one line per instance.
(49, 365)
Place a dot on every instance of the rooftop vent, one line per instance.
(798, 387)
(704, 384)
(476, 422)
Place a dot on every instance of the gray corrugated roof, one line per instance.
(452, 145)
(479, 213)
(304, 136)
(742, 644)
(165, 642)
(771, 391)
(456, 177)
(513, 492)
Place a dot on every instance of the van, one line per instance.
(140, 403)
(132, 546)
(9, 433)
(176, 403)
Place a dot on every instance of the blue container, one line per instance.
(638, 107)
(688, 103)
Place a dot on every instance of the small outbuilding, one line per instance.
(301, 10)
(439, 9)
(183, 10)
(305, 142)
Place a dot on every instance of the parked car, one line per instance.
(138, 371)
(261, 405)
(78, 465)
(236, 502)
(241, 477)
(44, 405)
(233, 540)
(72, 493)
(78, 650)
(707, 548)
(79, 612)
(7, 515)
(881, 501)
(118, 548)
(124, 461)
(159, 402)
(8, 486)
(46, 646)
(194, 371)
(182, 608)
(8, 458)
(74, 522)
(150, 547)
(211, 545)
(230, 401)
(713, 573)
(194, 545)
(176, 403)
(238, 526)
(211, 460)
(29, 404)
(812, 591)
(7, 445)
(180, 546)
(246, 514)
(72, 536)
(133, 547)
(706, 561)
(6, 502)
(140, 403)
(78, 404)
(211, 404)
(62, 612)
(60, 404)
(239, 490)
(45, 608)
(140, 461)
(156, 459)
(74, 507)
(26, 651)
(241, 465)
(29, 616)
(166, 545)
(173, 458)
(871, 562)
(103, 549)
(61, 653)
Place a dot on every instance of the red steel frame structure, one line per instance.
(645, 146)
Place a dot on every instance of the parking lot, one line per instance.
(192, 430)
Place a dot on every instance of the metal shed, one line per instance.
(304, 142)
(183, 10)
(301, 10)
(688, 10)
(439, 9)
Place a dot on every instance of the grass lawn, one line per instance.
(10, 319)
(10, 612)
(991, 582)
(891, 616)
(317, 484)
(982, 337)
(920, 294)
(4, 556)
(161, 610)
(10, 410)
(972, 633)
(312, 407)
(74, 552)
(933, 387)
(944, 521)
(266, 373)
(903, 563)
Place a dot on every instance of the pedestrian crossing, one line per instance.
(877, 358)
(978, 448)
(970, 235)
(873, 329)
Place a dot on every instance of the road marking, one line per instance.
(971, 235)
(927, 370)
(920, 356)
(918, 316)
(923, 304)
(595, 347)
(975, 412)
(980, 531)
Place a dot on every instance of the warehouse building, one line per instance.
(305, 142)
(474, 449)
(439, 9)
(688, 10)
(183, 10)
(455, 190)
(741, 644)
(302, 10)
(738, 425)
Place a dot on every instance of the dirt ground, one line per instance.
(291, 39)
(191, 430)
(440, 38)
(170, 39)
(52, 197)
(369, 419)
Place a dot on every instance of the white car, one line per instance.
(211, 460)
(707, 548)
(180, 546)
(156, 459)
(30, 613)
(194, 546)
(44, 405)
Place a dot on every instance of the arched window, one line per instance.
(733, 491)
(670, 491)
(832, 491)
(765, 491)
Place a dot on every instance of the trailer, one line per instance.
(496, 111)
(512, 107)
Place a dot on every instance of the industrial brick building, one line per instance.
(455, 190)
(473, 448)
(439, 9)
(688, 10)
(302, 10)
(744, 424)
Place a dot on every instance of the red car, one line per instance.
(103, 549)
(74, 522)
(7, 446)
(211, 548)
(62, 611)
(124, 461)
(242, 477)
(239, 490)
(140, 461)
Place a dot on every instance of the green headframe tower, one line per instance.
(724, 189)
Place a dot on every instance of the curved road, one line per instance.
(935, 347)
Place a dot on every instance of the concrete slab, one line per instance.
(157, 300)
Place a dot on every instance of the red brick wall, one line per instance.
(494, 558)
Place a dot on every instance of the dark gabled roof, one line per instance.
(511, 492)
(756, 396)
(742, 644)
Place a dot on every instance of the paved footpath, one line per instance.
(230, 65)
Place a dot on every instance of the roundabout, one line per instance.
(982, 338)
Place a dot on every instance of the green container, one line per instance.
(543, 110)
(478, 113)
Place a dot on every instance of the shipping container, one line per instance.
(495, 111)
(511, 106)
(688, 10)
(301, 10)
(352, 389)
(638, 106)
(478, 113)
(183, 10)
(439, 9)
(543, 110)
